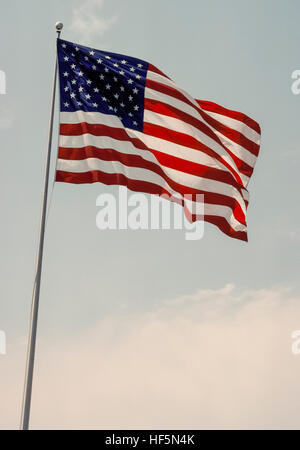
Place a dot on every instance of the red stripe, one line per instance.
(243, 167)
(213, 107)
(224, 226)
(182, 139)
(154, 69)
(138, 186)
(201, 125)
(171, 111)
(170, 161)
(231, 134)
(234, 135)
(169, 90)
(137, 161)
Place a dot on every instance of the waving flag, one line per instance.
(124, 122)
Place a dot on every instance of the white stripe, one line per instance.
(245, 195)
(242, 153)
(161, 79)
(110, 120)
(152, 142)
(236, 125)
(188, 180)
(223, 211)
(178, 125)
(152, 94)
(235, 148)
(138, 174)
(156, 143)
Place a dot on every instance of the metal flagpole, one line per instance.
(37, 283)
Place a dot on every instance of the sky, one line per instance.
(144, 329)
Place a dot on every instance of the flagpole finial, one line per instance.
(59, 26)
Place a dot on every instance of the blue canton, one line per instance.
(95, 81)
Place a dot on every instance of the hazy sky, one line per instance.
(143, 328)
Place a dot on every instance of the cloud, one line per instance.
(212, 359)
(88, 20)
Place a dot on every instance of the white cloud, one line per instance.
(88, 20)
(213, 359)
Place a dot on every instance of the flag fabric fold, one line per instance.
(124, 122)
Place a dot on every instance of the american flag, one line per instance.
(124, 122)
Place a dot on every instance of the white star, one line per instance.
(94, 67)
(101, 77)
(136, 108)
(123, 61)
(96, 90)
(92, 53)
(74, 81)
(73, 66)
(80, 89)
(135, 90)
(138, 77)
(129, 81)
(104, 99)
(73, 55)
(121, 72)
(134, 123)
(132, 69)
(88, 96)
(140, 65)
(130, 114)
(80, 74)
(130, 98)
(106, 69)
(63, 45)
(66, 89)
(111, 108)
(95, 105)
(66, 74)
(116, 65)
(72, 95)
(116, 96)
(66, 58)
(107, 57)
(66, 104)
(88, 82)
(122, 88)
(122, 105)
(86, 58)
(79, 103)
(108, 86)
(77, 49)
(115, 79)
(99, 61)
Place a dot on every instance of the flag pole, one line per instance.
(25, 416)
